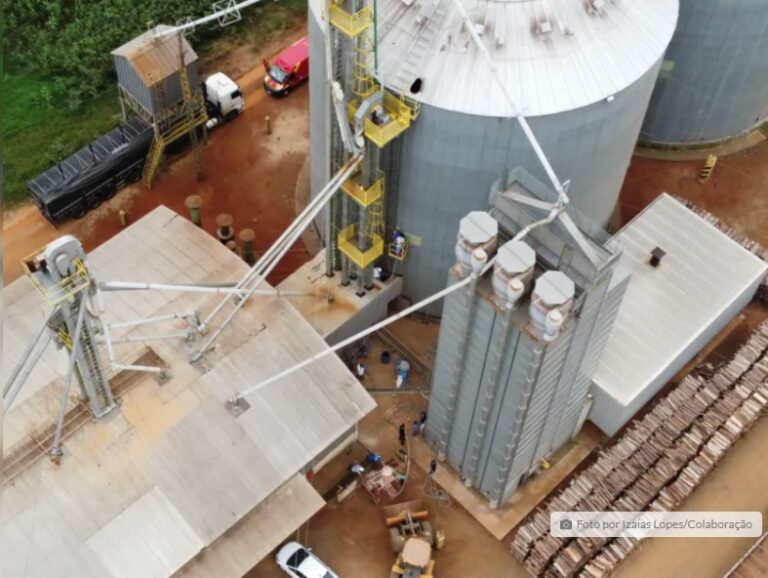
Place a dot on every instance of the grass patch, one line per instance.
(39, 132)
(39, 129)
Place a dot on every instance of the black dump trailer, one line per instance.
(93, 174)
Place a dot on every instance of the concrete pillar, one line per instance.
(249, 250)
(224, 229)
(193, 203)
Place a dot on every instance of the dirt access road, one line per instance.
(248, 174)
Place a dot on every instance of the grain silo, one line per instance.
(582, 72)
(713, 83)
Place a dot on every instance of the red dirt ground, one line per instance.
(737, 192)
(248, 174)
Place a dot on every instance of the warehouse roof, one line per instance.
(666, 309)
(155, 56)
(553, 55)
(170, 474)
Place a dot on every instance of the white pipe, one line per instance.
(360, 335)
(140, 338)
(207, 19)
(148, 320)
(291, 234)
(73, 354)
(139, 286)
(105, 327)
(520, 118)
(325, 194)
(144, 368)
(28, 351)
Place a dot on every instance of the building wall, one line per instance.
(714, 80)
(611, 414)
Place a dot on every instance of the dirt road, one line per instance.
(248, 174)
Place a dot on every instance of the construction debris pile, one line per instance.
(654, 465)
(750, 245)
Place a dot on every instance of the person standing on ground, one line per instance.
(402, 434)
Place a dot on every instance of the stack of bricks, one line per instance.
(654, 466)
(750, 245)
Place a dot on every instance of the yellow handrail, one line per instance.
(65, 288)
(351, 24)
(362, 259)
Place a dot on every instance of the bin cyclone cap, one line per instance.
(478, 227)
(554, 288)
(515, 257)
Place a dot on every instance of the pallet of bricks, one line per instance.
(750, 245)
(654, 465)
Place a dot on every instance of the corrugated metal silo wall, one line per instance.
(447, 350)
(131, 83)
(450, 160)
(474, 367)
(149, 97)
(714, 81)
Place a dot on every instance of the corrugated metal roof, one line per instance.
(667, 307)
(171, 457)
(154, 57)
(554, 55)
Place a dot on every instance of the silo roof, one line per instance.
(155, 57)
(554, 55)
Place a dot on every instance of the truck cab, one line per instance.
(289, 69)
(223, 96)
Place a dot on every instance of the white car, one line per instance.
(299, 562)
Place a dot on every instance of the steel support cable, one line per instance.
(11, 396)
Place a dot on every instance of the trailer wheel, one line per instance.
(79, 211)
(94, 201)
(133, 176)
(110, 189)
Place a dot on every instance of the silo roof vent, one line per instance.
(657, 254)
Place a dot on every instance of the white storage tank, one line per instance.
(582, 72)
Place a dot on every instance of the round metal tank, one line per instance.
(713, 83)
(581, 72)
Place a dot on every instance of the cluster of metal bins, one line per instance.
(586, 107)
(713, 83)
(561, 369)
(148, 71)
